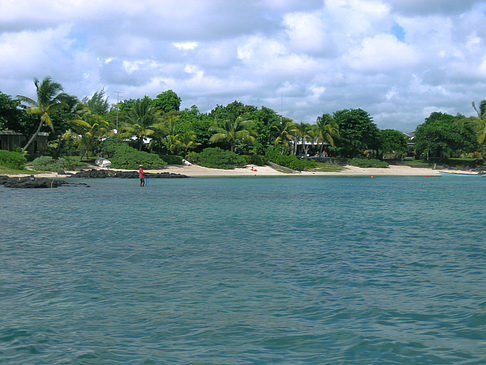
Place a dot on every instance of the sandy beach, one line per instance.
(199, 171)
(252, 170)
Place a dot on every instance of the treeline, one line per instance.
(158, 126)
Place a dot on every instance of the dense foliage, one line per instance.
(365, 162)
(443, 135)
(162, 133)
(172, 159)
(357, 132)
(12, 160)
(392, 142)
(217, 158)
(47, 163)
(290, 161)
(126, 157)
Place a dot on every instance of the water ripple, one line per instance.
(271, 270)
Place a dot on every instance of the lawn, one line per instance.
(327, 167)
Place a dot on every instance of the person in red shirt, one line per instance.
(140, 175)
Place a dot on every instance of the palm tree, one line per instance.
(141, 119)
(313, 135)
(302, 134)
(284, 129)
(480, 122)
(90, 128)
(231, 132)
(187, 141)
(328, 130)
(172, 142)
(49, 98)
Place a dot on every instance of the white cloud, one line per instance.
(185, 46)
(306, 31)
(302, 57)
(382, 53)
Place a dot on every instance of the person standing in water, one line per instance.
(140, 175)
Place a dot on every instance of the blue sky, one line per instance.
(400, 60)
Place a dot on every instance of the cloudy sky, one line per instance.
(399, 60)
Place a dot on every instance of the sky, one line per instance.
(399, 60)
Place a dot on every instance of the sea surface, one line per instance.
(284, 270)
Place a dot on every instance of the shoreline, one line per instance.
(267, 171)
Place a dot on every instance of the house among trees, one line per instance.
(10, 141)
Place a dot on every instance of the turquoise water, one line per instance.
(245, 271)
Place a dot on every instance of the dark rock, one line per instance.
(31, 182)
(101, 174)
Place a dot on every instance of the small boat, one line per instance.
(449, 173)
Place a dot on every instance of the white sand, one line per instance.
(199, 171)
(251, 170)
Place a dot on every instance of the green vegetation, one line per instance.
(154, 132)
(172, 159)
(217, 158)
(256, 160)
(126, 157)
(290, 161)
(12, 160)
(392, 142)
(47, 163)
(49, 98)
(443, 135)
(363, 162)
(327, 167)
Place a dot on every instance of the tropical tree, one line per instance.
(172, 143)
(357, 132)
(302, 134)
(232, 131)
(328, 130)
(140, 120)
(313, 135)
(442, 135)
(392, 141)
(285, 131)
(482, 109)
(188, 141)
(167, 101)
(11, 115)
(98, 103)
(88, 128)
(480, 123)
(49, 98)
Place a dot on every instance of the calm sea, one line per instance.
(293, 270)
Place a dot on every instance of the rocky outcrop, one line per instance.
(31, 182)
(97, 174)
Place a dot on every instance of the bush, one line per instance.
(217, 158)
(12, 160)
(290, 161)
(47, 163)
(172, 159)
(258, 160)
(126, 157)
(364, 162)
(111, 145)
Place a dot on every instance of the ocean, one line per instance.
(276, 270)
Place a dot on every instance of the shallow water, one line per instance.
(307, 270)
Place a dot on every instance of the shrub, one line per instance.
(172, 159)
(47, 163)
(215, 157)
(12, 160)
(290, 161)
(364, 162)
(111, 145)
(126, 157)
(258, 160)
